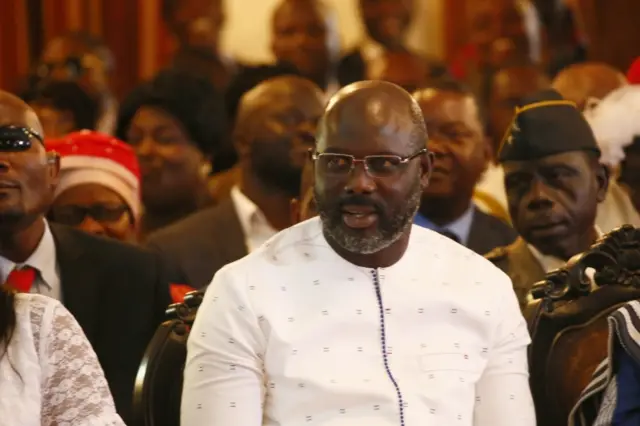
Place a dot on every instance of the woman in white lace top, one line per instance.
(49, 374)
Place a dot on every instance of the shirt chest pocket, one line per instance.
(463, 368)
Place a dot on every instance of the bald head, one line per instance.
(580, 82)
(370, 169)
(15, 112)
(269, 93)
(374, 107)
(275, 128)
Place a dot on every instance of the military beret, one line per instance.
(546, 124)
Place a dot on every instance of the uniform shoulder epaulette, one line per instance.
(497, 254)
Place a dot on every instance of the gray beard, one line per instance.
(386, 233)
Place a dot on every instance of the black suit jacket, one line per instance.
(488, 232)
(118, 294)
(202, 243)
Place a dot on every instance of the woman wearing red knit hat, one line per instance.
(99, 189)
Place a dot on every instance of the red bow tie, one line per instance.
(21, 279)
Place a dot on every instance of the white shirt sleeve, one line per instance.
(74, 389)
(223, 377)
(503, 396)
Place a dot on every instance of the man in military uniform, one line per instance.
(554, 182)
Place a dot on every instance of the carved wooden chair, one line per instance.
(569, 327)
(158, 386)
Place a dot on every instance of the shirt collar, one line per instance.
(461, 227)
(43, 259)
(249, 213)
(551, 263)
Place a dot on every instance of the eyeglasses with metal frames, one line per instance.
(375, 165)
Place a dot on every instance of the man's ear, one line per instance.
(53, 167)
(603, 175)
(427, 167)
(294, 211)
(241, 144)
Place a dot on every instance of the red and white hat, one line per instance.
(93, 157)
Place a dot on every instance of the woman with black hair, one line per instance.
(176, 123)
(49, 373)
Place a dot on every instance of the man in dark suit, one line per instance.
(117, 292)
(386, 23)
(275, 127)
(554, 183)
(461, 154)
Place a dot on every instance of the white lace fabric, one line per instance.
(50, 374)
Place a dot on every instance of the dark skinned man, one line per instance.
(117, 292)
(274, 130)
(305, 35)
(461, 154)
(554, 182)
(337, 316)
(386, 24)
(197, 26)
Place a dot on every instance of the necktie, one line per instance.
(450, 235)
(21, 279)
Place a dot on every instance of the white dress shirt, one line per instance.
(50, 374)
(294, 335)
(255, 226)
(43, 259)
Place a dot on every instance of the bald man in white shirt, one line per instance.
(357, 317)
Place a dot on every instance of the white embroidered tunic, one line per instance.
(50, 374)
(294, 335)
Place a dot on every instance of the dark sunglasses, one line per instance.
(375, 165)
(14, 138)
(75, 215)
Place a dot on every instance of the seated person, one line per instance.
(386, 24)
(305, 34)
(275, 128)
(554, 183)
(42, 346)
(175, 123)
(86, 60)
(613, 396)
(63, 107)
(359, 317)
(99, 188)
(461, 154)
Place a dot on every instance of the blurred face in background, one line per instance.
(278, 136)
(95, 209)
(387, 21)
(496, 28)
(508, 88)
(65, 59)
(300, 38)
(171, 164)
(456, 138)
(197, 24)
